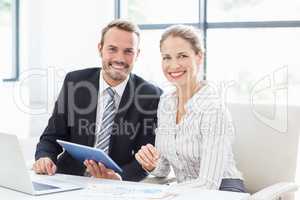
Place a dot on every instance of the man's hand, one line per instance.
(44, 166)
(147, 156)
(98, 170)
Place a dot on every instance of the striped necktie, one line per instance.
(103, 136)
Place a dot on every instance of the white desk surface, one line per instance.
(88, 193)
(101, 184)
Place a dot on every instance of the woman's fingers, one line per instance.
(153, 151)
(144, 154)
(147, 156)
(150, 152)
(145, 164)
(140, 159)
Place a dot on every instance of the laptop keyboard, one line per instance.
(41, 186)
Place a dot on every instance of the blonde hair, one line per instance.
(188, 33)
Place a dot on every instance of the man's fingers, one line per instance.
(36, 168)
(49, 168)
(86, 165)
(107, 173)
(46, 167)
(95, 168)
(110, 171)
(90, 168)
(103, 170)
(110, 174)
(98, 170)
(42, 166)
(54, 168)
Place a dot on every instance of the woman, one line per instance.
(194, 131)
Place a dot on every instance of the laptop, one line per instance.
(15, 175)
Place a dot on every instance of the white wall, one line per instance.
(56, 36)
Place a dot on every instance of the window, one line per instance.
(245, 40)
(246, 56)
(150, 52)
(250, 40)
(160, 12)
(252, 10)
(252, 47)
(8, 40)
(152, 17)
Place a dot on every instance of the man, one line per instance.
(107, 108)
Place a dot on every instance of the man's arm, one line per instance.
(133, 172)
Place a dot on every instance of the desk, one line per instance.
(87, 193)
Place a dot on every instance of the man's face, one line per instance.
(119, 52)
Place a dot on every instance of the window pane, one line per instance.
(149, 62)
(160, 12)
(252, 10)
(5, 39)
(248, 56)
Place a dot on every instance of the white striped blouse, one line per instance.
(199, 147)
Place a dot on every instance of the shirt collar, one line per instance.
(203, 99)
(119, 89)
(200, 100)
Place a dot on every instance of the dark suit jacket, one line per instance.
(74, 117)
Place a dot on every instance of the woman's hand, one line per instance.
(148, 157)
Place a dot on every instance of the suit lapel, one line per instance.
(125, 103)
(91, 117)
(126, 99)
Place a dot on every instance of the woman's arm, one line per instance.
(162, 169)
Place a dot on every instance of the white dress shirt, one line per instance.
(103, 97)
(198, 148)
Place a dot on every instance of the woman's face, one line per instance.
(180, 63)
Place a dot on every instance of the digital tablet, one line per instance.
(82, 153)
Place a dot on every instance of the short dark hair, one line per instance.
(123, 25)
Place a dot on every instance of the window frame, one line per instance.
(15, 42)
(204, 25)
